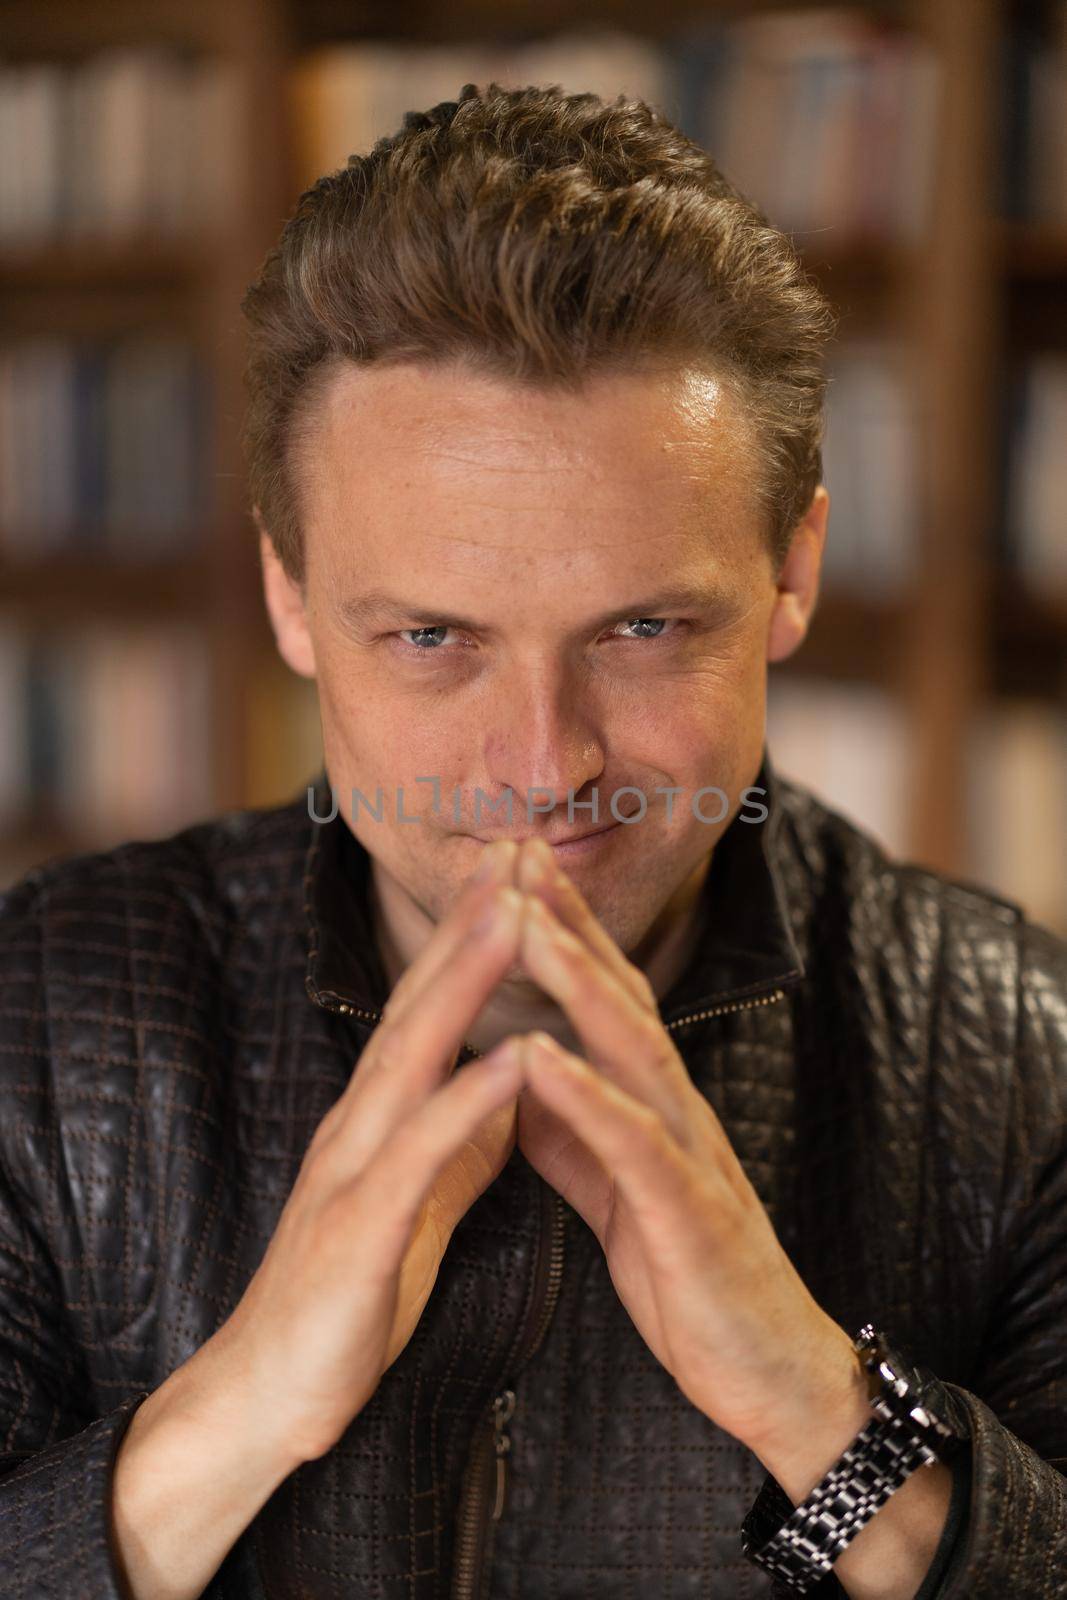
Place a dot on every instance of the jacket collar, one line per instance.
(743, 942)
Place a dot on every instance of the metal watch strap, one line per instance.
(814, 1533)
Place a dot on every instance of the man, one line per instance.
(475, 1178)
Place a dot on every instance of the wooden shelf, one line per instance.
(318, 22)
(55, 29)
(872, 258)
(28, 842)
(1028, 632)
(71, 266)
(1032, 252)
(80, 585)
(850, 638)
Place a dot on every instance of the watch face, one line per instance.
(901, 1389)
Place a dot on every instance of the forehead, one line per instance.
(632, 459)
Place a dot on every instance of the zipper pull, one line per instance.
(503, 1410)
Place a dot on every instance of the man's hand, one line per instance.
(392, 1167)
(640, 1154)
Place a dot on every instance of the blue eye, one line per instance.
(430, 638)
(658, 623)
(425, 646)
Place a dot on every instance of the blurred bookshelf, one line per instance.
(916, 153)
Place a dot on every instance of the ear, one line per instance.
(285, 605)
(798, 581)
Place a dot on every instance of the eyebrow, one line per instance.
(377, 606)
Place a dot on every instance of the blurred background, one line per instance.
(917, 153)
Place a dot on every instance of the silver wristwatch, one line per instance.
(908, 1429)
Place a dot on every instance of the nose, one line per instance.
(542, 741)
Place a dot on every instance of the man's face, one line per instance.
(483, 565)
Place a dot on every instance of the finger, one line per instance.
(411, 1054)
(628, 1138)
(496, 865)
(620, 1037)
(537, 872)
(395, 1183)
(452, 934)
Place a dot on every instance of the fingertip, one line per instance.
(542, 1044)
(534, 864)
(505, 1054)
(497, 862)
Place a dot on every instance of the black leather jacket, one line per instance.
(886, 1049)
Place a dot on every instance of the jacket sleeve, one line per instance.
(55, 1460)
(1007, 1528)
(1016, 1407)
(56, 1453)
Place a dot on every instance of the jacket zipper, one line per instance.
(729, 1005)
(474, 1523)
(476, 1516)
(330, 1001)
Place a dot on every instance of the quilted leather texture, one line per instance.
(885, 1047)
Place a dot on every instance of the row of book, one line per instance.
(871, 466)
(345, 97)
(1035, 115)
(826, 118)
(1033, 518)
(852, 744)
(101, 449)
(123, 143)
(104, 732)
(101, 446)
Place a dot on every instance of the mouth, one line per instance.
(581, 843)
(574, 844)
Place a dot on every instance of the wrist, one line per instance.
(211, 1402)
(816, 1419)
(193, 1467)
(797, 1529)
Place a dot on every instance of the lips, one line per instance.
(562, 838)
(572, 838)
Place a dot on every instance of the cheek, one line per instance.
(376, 739)
(694, 716)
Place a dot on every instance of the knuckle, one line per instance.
(651, 1040)
(394, 1001)
(578, 966)
(390, 1050)
(334, 1156)
(643, 985)
(648, 1125)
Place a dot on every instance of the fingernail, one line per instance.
(486, 867)
(542, 857)
(495, 862)
(544, 1045)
